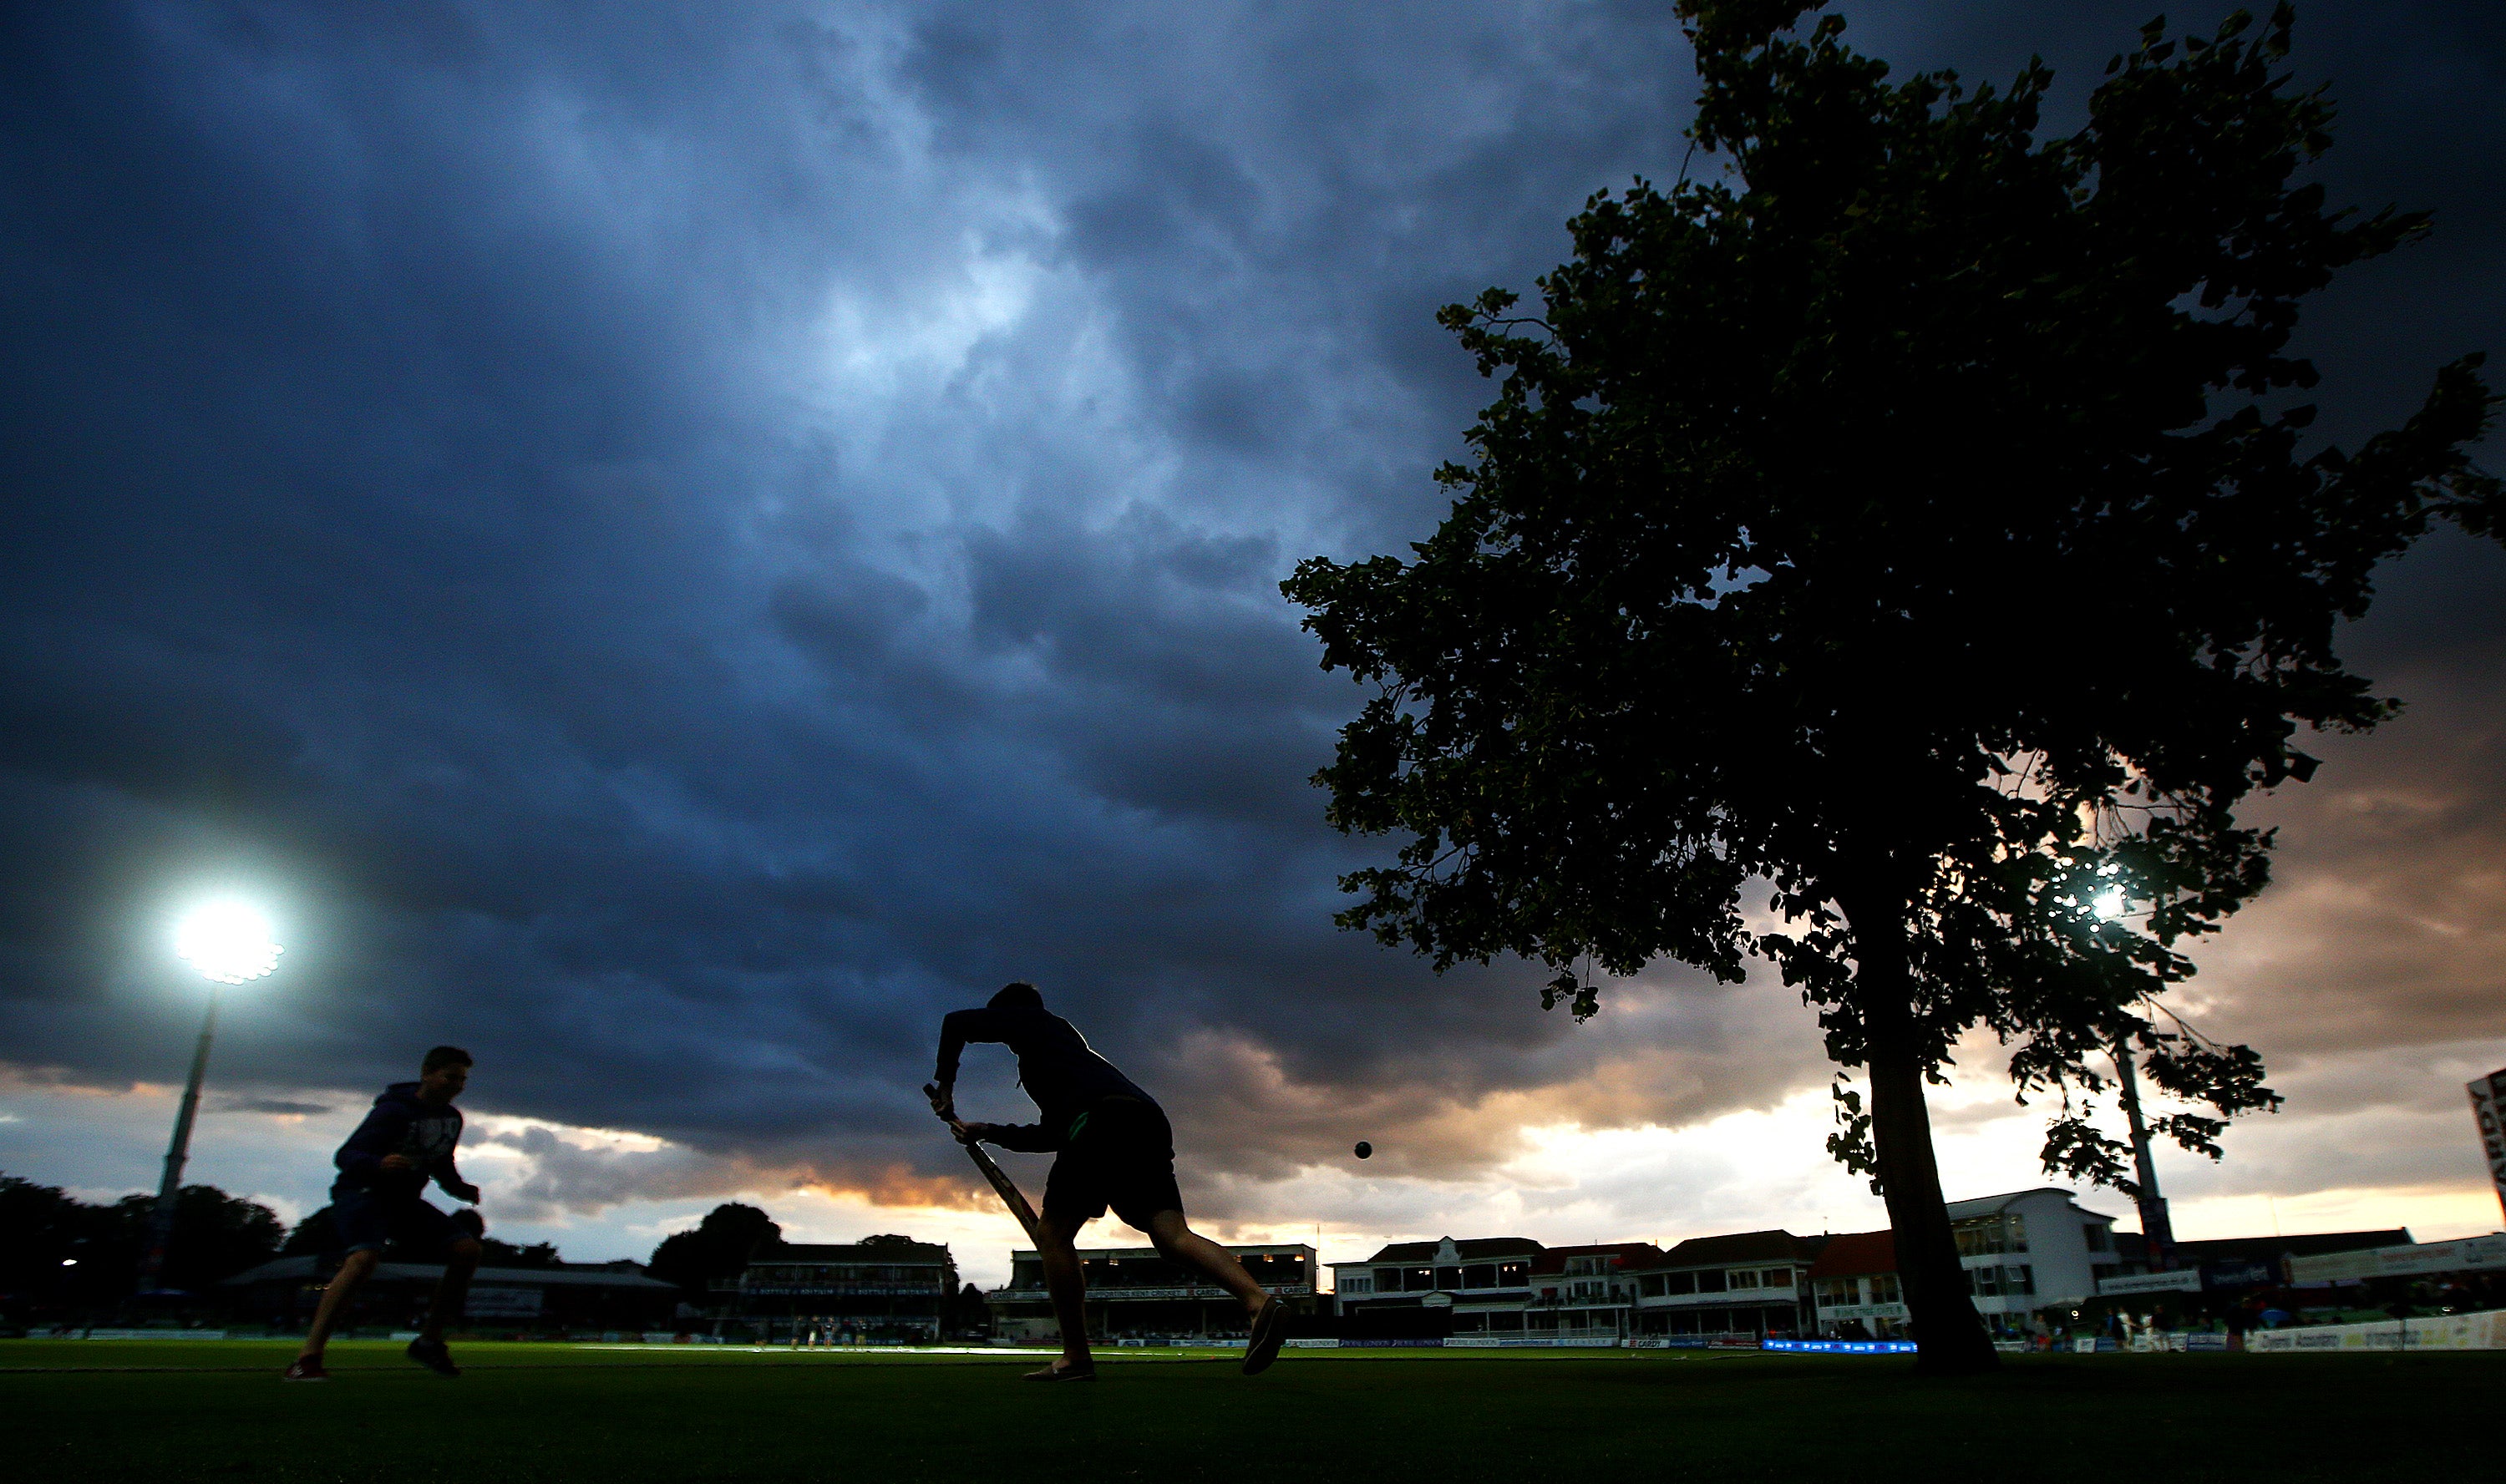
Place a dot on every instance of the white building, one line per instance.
(2021, 1253)
(1484, 1281)
(1853, 1286)
(1750, 1284)
(2031, 1250)
(1584, 1293)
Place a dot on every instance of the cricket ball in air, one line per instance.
(1365, 1149)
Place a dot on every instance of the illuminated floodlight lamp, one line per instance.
(2109, 904)
(227, 940)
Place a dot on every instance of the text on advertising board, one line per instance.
(2488, 1111)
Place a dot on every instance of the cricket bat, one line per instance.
(1011, 1196)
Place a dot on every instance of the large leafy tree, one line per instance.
(1912, 519)
(216, 1235)
(61, 1257)
(718, 1246)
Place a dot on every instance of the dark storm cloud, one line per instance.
(678, 544)
(283, 1108)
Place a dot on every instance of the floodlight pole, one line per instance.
(160, 1225)
(2155, 1229)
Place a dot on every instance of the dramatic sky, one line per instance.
(673, 544)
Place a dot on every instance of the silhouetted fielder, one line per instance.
(406, 1140)
(1113, 1148)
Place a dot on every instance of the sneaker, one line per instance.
(433, 1355)
(305, 1368)
(1061, 1372)
(1269, 1332)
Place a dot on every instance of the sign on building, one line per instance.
(503, 1303)
(2179, 1282)
(2488, 1110)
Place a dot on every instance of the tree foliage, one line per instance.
(719, 1246)
(1915, 519)
(889, 1242)
(494, 1253)
(62, 1255)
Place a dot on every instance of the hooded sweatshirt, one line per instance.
(1056, 1067)
(401, 1122)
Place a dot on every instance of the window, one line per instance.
(2021, 1279)
(1710, 1281)
(1387, 1280)
(1512, 1275)
(1355, 1284)
(1417, 1280)
(1744, 1278)
(1679, 1283)
(1650, 1286)
(1778, 1277)
(1541, 1318)
(2018, 1233)
(1983, 1282)
(1480, 1276)
(1976, 1239)
(1448, 1277)
(2100, 1240)
(1577, 1267)
(1883, 1289)
(1512, 1320)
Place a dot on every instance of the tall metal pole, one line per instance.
(161, 1226)
(2154, 1227)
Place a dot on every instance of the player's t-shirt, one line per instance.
(1056, 1067)
(403, 1123)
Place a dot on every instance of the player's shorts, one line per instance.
(366, 1219)
(1121, 1155)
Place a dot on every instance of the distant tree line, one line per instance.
(58, 1252)
(63, 1256)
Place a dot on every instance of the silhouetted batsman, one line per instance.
(1113, 1148)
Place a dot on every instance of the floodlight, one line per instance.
(2109, 904)
(227, 940)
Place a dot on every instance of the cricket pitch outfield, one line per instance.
(558, 1414)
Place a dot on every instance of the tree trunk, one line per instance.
(1951, 1338)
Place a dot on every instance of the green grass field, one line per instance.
(103, 1410)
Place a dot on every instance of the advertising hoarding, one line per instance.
(2489, 1112)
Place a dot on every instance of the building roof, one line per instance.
(1855, 1254)
(1739, 1247)
(572, 1275)
(2132, 1246)
(1994, 1205)
(1472, 1249)
(1240, 1248)
(1630, 1256)
(853, 1252)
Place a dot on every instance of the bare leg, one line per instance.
(1059, 1254)
(460, 1261)
(1181, 1243)
(352, 1272)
